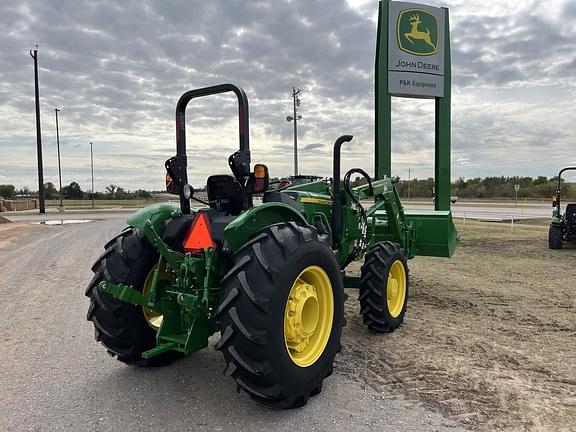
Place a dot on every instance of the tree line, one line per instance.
(487, 187)
(74, 191)
(491, 187)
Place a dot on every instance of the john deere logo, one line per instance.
(417, 32)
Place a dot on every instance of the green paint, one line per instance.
(123, 293)
(442, 131)
(383, 103)
(187, 303)
(241, 229)
(156, 213)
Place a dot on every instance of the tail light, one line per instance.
(170, 186)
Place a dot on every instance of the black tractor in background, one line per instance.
(562, 226)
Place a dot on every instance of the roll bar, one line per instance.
(239, 161)
(243, 117)
(558, 187)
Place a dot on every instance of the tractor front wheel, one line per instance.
(126, 330)
(384, 287)
(555, 237)
(282, 316)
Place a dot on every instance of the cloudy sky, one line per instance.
(117, 68)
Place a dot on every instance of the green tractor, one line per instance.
(269, 278)
(563, 227)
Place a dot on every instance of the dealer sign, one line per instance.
(415, 50)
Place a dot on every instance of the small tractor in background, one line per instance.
(563, 226)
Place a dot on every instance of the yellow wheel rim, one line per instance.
(308, 316)
(153, 318)
(396, 288)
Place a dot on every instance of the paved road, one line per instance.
(496, 211)
(53, 376)
(471, 210)
(486, 211)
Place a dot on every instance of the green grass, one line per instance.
(103, 203)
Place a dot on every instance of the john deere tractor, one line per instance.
(563, 226)
(269, 278)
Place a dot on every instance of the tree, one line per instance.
(122, 194)
(72, 191)
(111, 190)
(7, 191)
(50, 191)
(141, 193)
(541, 180)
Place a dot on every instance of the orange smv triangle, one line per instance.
(199, 236)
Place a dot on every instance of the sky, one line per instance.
(116, 69)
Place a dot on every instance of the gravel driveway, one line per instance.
(54, 376)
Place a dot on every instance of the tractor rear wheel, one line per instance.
(555, 237)
(282, 316)
(126, 330)
(384, 287)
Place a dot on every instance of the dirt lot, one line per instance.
(489, 337)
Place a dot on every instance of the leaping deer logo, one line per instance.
(417, 32)
(414, 33)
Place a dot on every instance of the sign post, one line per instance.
(413, 61)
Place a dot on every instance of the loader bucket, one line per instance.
(435, 233)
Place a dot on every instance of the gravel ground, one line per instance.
(54, 376)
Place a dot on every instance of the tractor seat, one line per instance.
(571, 213)
(225, 194)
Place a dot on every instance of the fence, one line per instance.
(17, 205)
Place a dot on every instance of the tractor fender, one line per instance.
(157, 214)
(241, 229)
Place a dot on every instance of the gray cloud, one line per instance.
(116, 69)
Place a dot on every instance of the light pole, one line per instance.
(409, 184)
(516, 189)
(92, 169)
(61, 208)
(295, 118)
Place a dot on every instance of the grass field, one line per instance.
(104, 203)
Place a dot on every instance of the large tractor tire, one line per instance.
(282, 316)
(126, 330)
(555, 237)
(384, 287)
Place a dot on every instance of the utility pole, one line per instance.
(92, 169)
(409, 184)
(295, 118)
(42, 203)
(61, 208)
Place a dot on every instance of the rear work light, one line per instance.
(199, 236)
